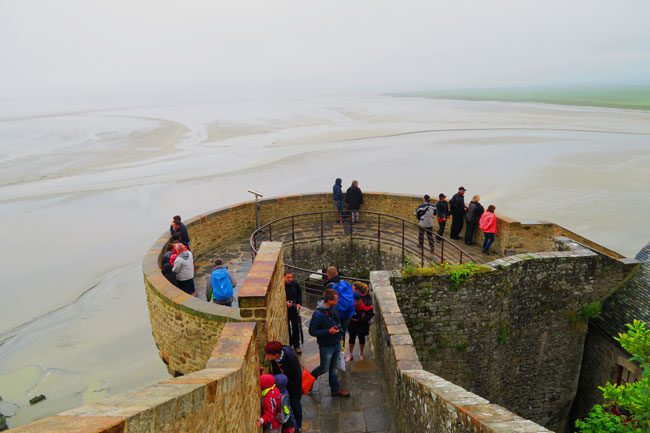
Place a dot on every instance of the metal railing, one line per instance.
(385, 229)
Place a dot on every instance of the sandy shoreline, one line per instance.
(88, 222)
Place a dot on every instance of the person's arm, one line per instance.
(232, 279)
(178, 264)
(360, 197)
(171, 230)
(184, 233)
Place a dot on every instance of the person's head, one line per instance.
(170, 246)
(176, 226)
(360, 287)
(288, 276)
(491, 208)
(476, 198)
(338, 181)
(331, 272)
(266, 381)
(281, 381)
(330, 297)
(179, 247)
(442, 197)
(218, 262)
(461, 190)
(176, 236)
(273, 350)
(355, 183)
(427, 199)
(177, 219)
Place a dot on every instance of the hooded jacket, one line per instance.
(209, 286)
(457, 205)
(270, 402)
(354, 198)
(289, 365)
(488, 222)
(474, 212)
(321, 321)
(184, 266)
(337, 190)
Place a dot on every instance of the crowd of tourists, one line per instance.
(345, 309)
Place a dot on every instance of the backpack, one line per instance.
(421, 210)
(221, 285)
(283, 413)
(345, 306)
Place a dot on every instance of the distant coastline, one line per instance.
(635, 97)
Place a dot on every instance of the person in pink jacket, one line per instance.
(488, 224)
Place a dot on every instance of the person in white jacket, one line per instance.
(184, 269)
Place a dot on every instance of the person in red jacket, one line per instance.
(488, 225)
(270, 405)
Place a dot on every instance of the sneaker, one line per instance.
(362, 357)
(340, 393)
(349, 358)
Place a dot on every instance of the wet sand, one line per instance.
(81, 211)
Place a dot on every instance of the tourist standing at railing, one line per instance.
(178, 227)
(354, 199)
(184, 269)
(442, 211)
(331, 276)
(337, 195)
(284, 360)
(473, 216)
(457, 208)
(326, 327)
(220, 284)
(294, 302)
(424, 213)
(360, 323)
(488, 224)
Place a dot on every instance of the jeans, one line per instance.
(441, 227)
(328, 358)
(344, 327)
(489, 239)
(296, 407)
(294, 327)
(429, 231)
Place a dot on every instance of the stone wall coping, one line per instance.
(258, 281)
(151, 409)
(471, 409)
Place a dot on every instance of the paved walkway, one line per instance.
(367, 408)
(236, 256)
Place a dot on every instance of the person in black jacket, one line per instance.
(474, 212)
(442, 212)
(178, 227)
(326, 327)
(457, 208)
(354, 199)
(284, 360)
(294, 302)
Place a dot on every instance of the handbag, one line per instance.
(307, 381)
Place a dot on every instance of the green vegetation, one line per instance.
(457, 274)
(636, 97)
(633, 399)
(503, 333)
(590, 311)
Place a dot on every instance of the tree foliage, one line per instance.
(631, 399)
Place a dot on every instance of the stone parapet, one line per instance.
(422, 401)
(222, 398)
(262, 298)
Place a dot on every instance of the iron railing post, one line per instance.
(461, 257)
(322, 244)
(422, 254)
(293, 230)
(379, 231)
(270, 233)
(442, 251)
(403, 228)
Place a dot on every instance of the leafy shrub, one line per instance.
(457, 274)
(590, 311)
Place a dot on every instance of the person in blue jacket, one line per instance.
(220, 284)
(337, 196)
(326, 327)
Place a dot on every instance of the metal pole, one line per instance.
(403, 222)
(258, 210)
(270, 232)
(322, 244)
(461, 257)
(379, 231)
(422, 254)
(293, 231)
(442, 251)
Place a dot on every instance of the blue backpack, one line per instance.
(221, 285)
(345, 306)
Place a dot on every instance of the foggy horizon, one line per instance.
(76, 49)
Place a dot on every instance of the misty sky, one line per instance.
(88, 47)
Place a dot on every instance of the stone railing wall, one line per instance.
(420, 400)
(222, 398)
(514, 335)
(262, 297)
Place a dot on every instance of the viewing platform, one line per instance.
(495, 350)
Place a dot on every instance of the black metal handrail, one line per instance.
(374, 226)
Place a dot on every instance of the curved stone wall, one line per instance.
(185, 328)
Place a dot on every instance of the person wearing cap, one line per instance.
(424, 213)
(457, 208)
(442, 211)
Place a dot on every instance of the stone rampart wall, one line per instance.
(420, 400)
(262, 297)
(513, 335)
(222, 398)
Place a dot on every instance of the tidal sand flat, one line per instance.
(84, 194)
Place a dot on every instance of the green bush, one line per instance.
(457, 274)
(590, 311)
(632, 399)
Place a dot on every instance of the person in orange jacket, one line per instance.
(270, 405)
(488, 225)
